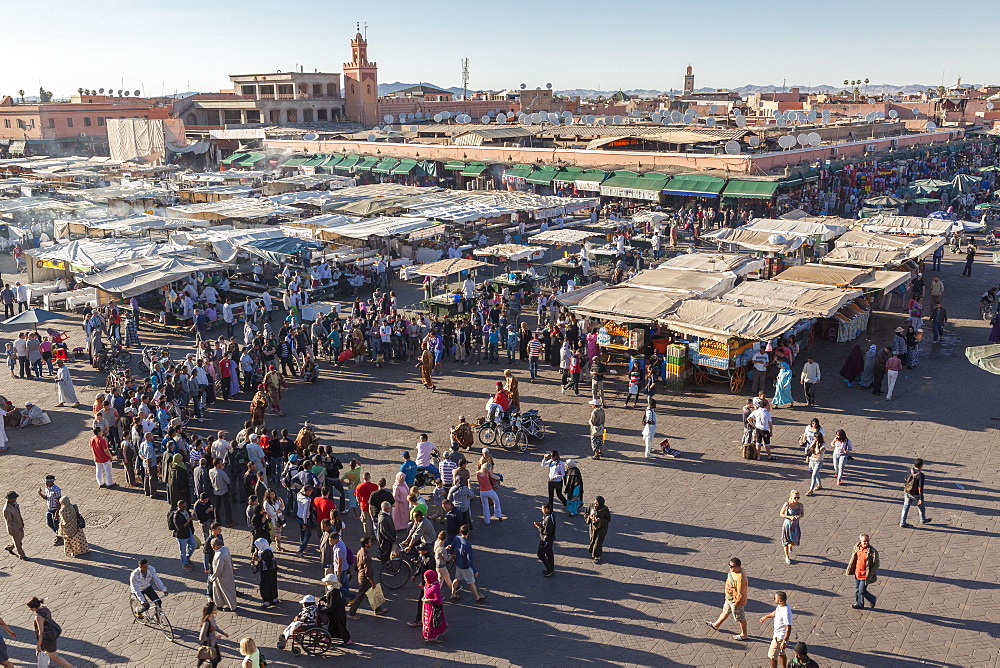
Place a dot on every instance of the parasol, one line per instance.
(32, 316)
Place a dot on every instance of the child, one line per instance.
(11, 358)
(416, 503)
(434, 512)
(306, 617)
(634, 378)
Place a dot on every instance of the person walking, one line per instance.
(65, 392)
(433, 623)
(264, 564)
(791, 512)
(71, 525)
(879, 369)
(182, 524)
(46, 633)
(649, 427)
(208, 636)
(760, 360)
(864, 567)
(970, 257)
(366, 580)
(892, 368)
(814, 460)
(546, 540)
(737, 587)
(913, 493)
(52, 494)
(489, 482)
(810, 377)
(4, 655)
(598, 520)
(15, 526)
(760, 418)
(465, 566)
(102, 459)
(220, 486)
(557, 470)
(782, 617)
(332, 603)
(596, 424)
(222, 578)
(534, 353)
(939, 316)
(842, 448)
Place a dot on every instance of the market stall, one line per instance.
(702, 284)
(740, 265)
(448, 303)
(91, 255)
(627, 315)
(910, 225)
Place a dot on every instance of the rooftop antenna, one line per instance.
(465, 82)
(366, 32)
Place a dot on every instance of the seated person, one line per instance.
(306, 618)
(499, 404)
(33, 416)
(310, 371)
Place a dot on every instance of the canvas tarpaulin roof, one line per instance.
(89, 254)
(715, 319)
(741, 265)
(755, 240)
(276, 249)
(573, 297)
(139, 223)
(448, 267)
(811, 298)
(564, 236)
(908, 225)
(627, 304)
(696, 283)
(225, 242)
(514, 252)
(799, 228)
(145, 274)
(824, 275)
(885, 280)
(868, 249)
(384, 226)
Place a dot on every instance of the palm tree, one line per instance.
(79, 91)
(866, 86)
(21, 93)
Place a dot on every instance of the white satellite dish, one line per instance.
(688, 117)
(754, 142)
(732, 147)
(567, 114)
(871, 100)
(523, 86)
(501, 117)
(879, 115)
(786, 141)
(989, 105)
(811, 116)
(815, 139)
(522, 118)
(446, 115)
(741, 121)
(781, 122)
(916, 111)
(414, 128)
(710, 122)
(893, 113)
(536, 117)
(553, 118)
(310, 136)
(388, 118)
(617, 120)
(387, 128)
(777, 114)
(676, 116)
(737, 111)
(485, 120)
(588, 119)
(712, 108)
(803, 139)
(870, 116)
(655, 117)
(438, 118)
(372, 137)
(931, 125)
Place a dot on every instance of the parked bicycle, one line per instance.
(399, 569)
(522, 426)
(154, 617)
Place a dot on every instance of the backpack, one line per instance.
(51, 630)
(351, 559)
(912, 486)
(170, 521)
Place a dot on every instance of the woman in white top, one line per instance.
(251, 655)
(814, 459)
(842, 447)
(809, 435)
(274, 506)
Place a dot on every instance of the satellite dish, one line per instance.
(871, 100)
(655, 117)
(786, 141)
(523, 118)
(737, 111)
(617, 120)
(589, 119)
(136, 94)
(732, 147)
(811, 116)
(389, 119)
(501, 118)
(989, 105)
(567, 114)
(676, 116)
(523, 86)
(446, 115)
(603, 120)
(777, 114)
(879, 115)
(712, 108)
(754, 142)
(485, 120)
(931, 125)
(870, 116)
(688, 117)
(536, 117)
(781, 122)
(815, 139)
(553, 118)
(710, 122)
(893, 113)
(372, 137)
(101, 91)
(310, 136)
(549, 86)
(803, 139)
(438, 117)
(916, 111)
(414, 128)
(741, 121)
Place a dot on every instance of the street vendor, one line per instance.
(33, 416)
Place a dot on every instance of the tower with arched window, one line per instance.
(361, 84)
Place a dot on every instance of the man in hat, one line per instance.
(15, 525)
(32, 416)
(802, 659)
(52, 495)
(461, 434)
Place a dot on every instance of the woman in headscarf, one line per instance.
(511, 386)
(868, 370)
(70, 529)
(258, 406)
(400, 509)
(573, 484)
(264, 564)
(433, 621)
(178, 481)
(65, 392)
(234, 378)
(426, 365)
(853, 365)
(222, 578)
(783, 385)
(912, 348)
(332, 603)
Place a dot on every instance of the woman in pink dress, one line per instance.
(433, 622)
(234, 379)
(400, 509)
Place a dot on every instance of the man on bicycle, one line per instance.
(142, 583)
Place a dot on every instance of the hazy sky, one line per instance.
(185, 45)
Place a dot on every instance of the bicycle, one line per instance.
(398, 570)
(521, 427)
(987, 309)
(153, 617)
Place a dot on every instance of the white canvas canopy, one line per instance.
(145, 274)
(627, 304)
(756, 240)
(514, 252)
(90, 254)
(870, 249)
(811, 298)
(797, 228)
(908, 225)
(825, 275)
(565, 237)
(225, 242)
(238, 208)
(448, 267)
(313, 228)
(741, 265)
(573, 297)
(694, 283)
(720, 321)
(383, 226)
(124, 226)
(885, 280)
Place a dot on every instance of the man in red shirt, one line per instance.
(362, 493)
(502, 397)
(323, 505)
(102, 459)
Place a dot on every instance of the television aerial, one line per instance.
(567, 114)
(786, 141)
(815, 139)
(871, 100)
(803, 139)
(990, 105)
(446, 115)
(688, 117)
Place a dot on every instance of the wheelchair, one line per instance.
(312, 640)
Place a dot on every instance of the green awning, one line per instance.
(250, 159)
(620, 181)
(591, 178)
(331, 160)
(454, 165)
(314, 161)
(752, 189)
(568, 175)
(385, 166)
(296, 161)
(474, 169)
(654, 182)
(233, 157)
(809, 176)
(519, 171)
(696, 185)
(347, 163)
(366, 164)
(543, 176)
(930, 200)
(633, 186)
(405, 166)
(793, 180)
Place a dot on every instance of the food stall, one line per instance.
(782, 251)
(450, 302)
(743, 266)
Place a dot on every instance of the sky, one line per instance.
(193, 45)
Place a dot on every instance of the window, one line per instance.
(6, 123)
(307, 115)
(331, 90)
(69, 122)
(52, 122)
(292, 116)
(321, 114)
(100, 121)
(86, 121)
